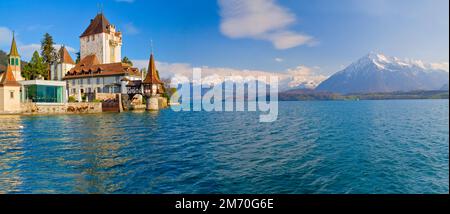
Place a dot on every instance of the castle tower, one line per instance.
(64, 63)
(14, 60)
(153, 87)
(102, 39)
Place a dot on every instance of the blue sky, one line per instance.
(262, 35)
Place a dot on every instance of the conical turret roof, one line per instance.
(152, 75)
(13, 51)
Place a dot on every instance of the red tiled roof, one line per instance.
(65, 56)
(90, 67)
(8, 78)
(98, 25)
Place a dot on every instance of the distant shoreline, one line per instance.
(311, 95)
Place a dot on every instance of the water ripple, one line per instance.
(314, 147)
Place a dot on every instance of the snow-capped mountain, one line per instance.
(380, 73)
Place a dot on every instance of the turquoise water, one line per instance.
(313, 147)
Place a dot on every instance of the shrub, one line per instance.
(72, 99)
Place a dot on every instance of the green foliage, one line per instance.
(72, 99)
(35, 68)
(127, 61)
(48, 52)
(78, 57)
(3, 58)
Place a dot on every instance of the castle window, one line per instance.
(17, 61)
(98, 81)
(11, 94)
(12, 61)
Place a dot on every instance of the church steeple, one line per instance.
(14, 60)
(13, 52)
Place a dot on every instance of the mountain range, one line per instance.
(380, 73)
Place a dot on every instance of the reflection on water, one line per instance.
(11, 152)
(314, 147)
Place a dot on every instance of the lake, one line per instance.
(396, 146)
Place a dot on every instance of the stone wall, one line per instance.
(105, 96)
(68, 108)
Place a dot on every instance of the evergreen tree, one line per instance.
(127, 61)
(78, 57)
(48, 51)
(35, 67)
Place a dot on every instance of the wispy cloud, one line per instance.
(131, 29)
(26, 50)
(301, 76)
(262, 20)
(278, 59)
(5, 37)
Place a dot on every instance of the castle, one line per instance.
(100, 69)
(99, 72)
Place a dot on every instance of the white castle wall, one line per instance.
(101, 45)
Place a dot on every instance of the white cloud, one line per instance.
(68, 48)
(5, 37)
(440, 66)
(131, 29)
(301, 76)
(263, 20)
(305, 76)
(279, 59)
(26, 51)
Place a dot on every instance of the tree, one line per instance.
(78, 57)
(35, 67)
(127, 61)
(48, 51)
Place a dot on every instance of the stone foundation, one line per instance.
(68, 108)
(156, 103)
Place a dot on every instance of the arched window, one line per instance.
(12, 61)
(17, 61)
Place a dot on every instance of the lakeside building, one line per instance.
(100, 69)
(64, 63)
(14, 90)
(151, 88)
(44, 92)
(9, 92)
(99, 75)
